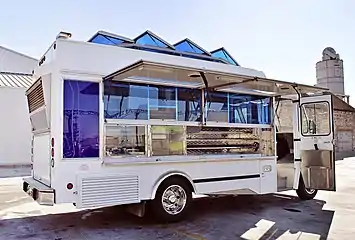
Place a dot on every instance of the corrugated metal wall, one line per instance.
(15, 80)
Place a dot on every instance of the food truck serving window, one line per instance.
(146, 102)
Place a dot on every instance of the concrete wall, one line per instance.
(15, 127)
(284, 116)
(344, 121)
(344, 130)
(11, 61)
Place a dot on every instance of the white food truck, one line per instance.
(139, 125)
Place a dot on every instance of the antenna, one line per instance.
(330, 54)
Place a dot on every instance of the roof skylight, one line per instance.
(223, 54)
(187, 45)
(149, 38)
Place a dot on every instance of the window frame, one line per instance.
(149, 87)
(329, 120)
(203, 100)
(70, 78)
(146, 139)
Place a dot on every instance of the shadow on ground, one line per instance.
(211, 218)
(342, 155)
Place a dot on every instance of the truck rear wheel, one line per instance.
(172, 200)
(305, 193)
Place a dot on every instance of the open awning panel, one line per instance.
(214, 80)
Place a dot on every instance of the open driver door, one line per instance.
(317, 144)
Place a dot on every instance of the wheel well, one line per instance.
(178, 177)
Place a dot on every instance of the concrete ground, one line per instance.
(277, 216)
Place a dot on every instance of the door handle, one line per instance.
(332, 142)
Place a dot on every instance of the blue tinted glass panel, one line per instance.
(106, 40)
(187, 47)
(221, 54)
(183, 47)
(249, 109)
(147, 39)
(189, 104)
(229, 59)
(115, 40)
(196, 49)
(126, 101)
(175, 53)
(81, 119)
(217, 107)
(162, 102)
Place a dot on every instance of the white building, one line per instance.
(15, 128)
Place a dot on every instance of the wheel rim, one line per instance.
(174, 199)
(310, 191)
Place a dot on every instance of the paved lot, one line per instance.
(276, 216)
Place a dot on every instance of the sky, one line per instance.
(284, 39)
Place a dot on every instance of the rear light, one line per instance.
(52, 149)
(70, 186)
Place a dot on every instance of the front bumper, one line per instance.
(39, 192)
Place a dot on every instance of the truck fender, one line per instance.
(167, 175)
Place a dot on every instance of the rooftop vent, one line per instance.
(64, 35)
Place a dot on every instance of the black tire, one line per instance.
(156, 206)
(304, 193)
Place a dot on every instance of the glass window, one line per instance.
(147, 39)
(162, 102)
(125, 141)
(217, 107)
(224, 55)
(185, 46)
(168, 140)
(81, 119)
(189, 104)
(315, 118)
(106, 40)
(126, 101)
(132, 101)
(249, 109)
(227, 140)
(176, 53)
